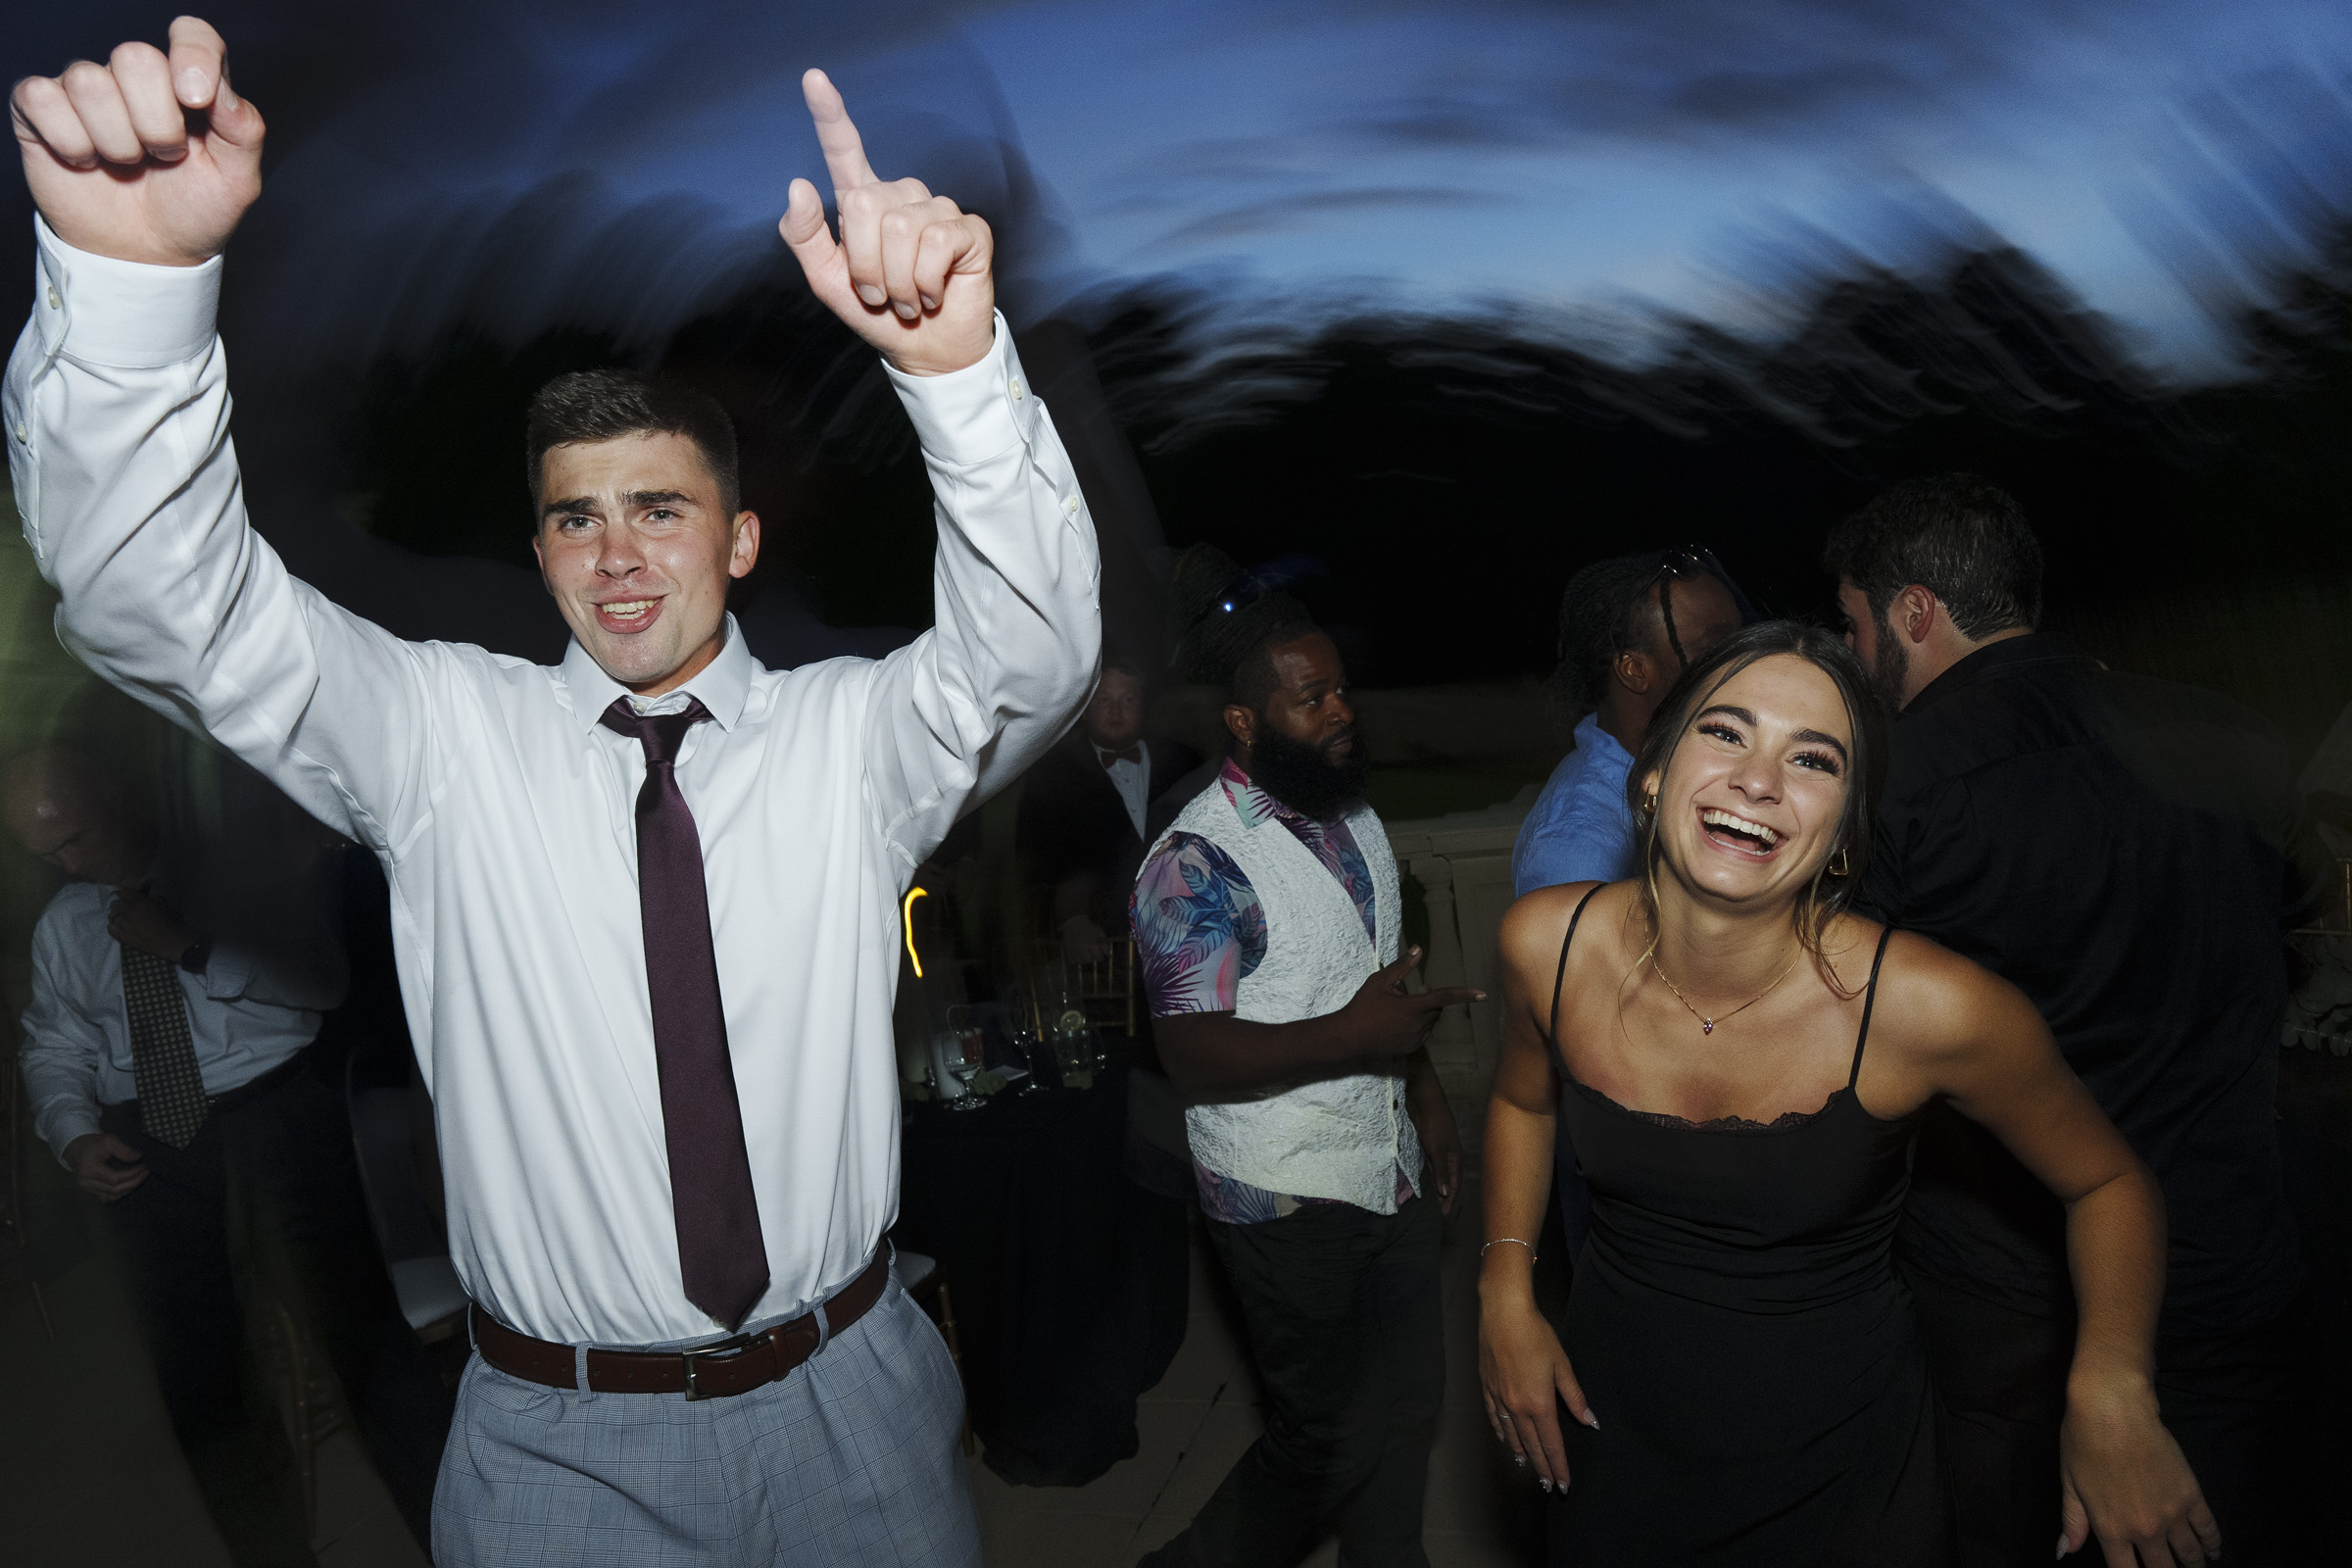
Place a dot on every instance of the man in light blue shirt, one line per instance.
(1628, 626)
(1581, 829)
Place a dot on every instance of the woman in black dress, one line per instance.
(1741, 1061)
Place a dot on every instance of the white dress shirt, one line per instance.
(1133, 781)
(245, 1016)
(504, 812)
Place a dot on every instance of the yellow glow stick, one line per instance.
(907, 914)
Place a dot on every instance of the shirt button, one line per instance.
(1069, 503)
(1018, 393)
(55, 303)
(21, 432)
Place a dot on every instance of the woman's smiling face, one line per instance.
(1754, 791)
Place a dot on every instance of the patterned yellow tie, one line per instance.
(163, 1057)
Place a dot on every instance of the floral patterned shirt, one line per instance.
(1199, 930)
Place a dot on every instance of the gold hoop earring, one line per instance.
(1649, 806)
(1841, 867)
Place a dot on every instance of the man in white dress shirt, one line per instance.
(168, 1067)
(662, 1078)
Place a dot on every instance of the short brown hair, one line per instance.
(1962, 538)
(606, 405)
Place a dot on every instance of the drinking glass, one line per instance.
(963, 1052)
(1020, 1032)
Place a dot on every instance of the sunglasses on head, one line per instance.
(1687, 563)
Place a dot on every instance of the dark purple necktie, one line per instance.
(719, 1249)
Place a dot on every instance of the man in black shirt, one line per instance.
(2119, 849)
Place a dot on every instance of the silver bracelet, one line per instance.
(1514, 1241)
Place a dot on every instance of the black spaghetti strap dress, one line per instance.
(1738, 1326)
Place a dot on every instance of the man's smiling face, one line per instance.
(637, 546)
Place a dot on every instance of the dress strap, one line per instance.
(1562, 974)
(1870, 999)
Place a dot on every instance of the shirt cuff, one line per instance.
(970, 416)
(129, 316)
(62, 1124)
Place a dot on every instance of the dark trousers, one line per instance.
(1347, 1333)
(2232, 1401)
(265, 1198)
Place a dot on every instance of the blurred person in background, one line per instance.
(647, 899)
(1266, 922)
(1091, 804)
(171, 1068)
(2126, 851)
(1629, 628)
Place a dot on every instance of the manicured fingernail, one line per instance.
(870, 294)
(1592, 1420)
(907, 313)
(2060, 1545)
(930, 304)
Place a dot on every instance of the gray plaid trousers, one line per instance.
(852, 1460)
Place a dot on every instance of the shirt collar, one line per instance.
(1254, 805)
(723, 685)
(1599, 745)
(1992, 660)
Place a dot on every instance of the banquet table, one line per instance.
(1068, 1279)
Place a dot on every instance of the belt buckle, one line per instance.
(728, 1346)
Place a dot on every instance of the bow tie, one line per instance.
(1133, 753)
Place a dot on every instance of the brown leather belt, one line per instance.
(714, 1371)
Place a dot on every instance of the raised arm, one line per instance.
(116, 412)
(1011, 656)
(1988, 1050)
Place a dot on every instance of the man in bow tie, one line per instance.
(1092, 804)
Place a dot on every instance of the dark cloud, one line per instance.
(1292, 211)
(1161, 177)
(1754, 98)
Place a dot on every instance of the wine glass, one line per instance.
(1020, 1032)
(963, 1052)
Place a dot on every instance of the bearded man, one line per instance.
(644, 902)
(2124, 850)
(1266, 921)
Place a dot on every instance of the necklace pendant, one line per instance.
(1706, 1026)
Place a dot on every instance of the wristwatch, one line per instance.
(196, 955)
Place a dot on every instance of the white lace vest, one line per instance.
(1340, 1138)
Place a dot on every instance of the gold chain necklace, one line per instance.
(1706, 1025)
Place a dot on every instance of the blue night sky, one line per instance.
(1595, 165)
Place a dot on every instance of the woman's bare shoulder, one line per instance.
(1537, 924)
(1930, 998)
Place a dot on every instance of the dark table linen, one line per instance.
(1070, 1280)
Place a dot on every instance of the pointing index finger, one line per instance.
(845, 152)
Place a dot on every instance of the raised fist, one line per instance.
(147, 158)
